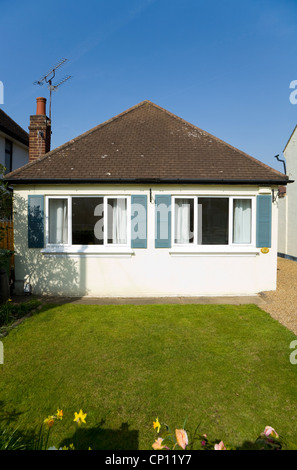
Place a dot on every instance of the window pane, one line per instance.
(8, 156)
(242, 220)
(184, 220)
(117, 221)
(87, 221)
(58, 221)
(213, 217)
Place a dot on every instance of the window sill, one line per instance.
(88, 251)
(214, 251)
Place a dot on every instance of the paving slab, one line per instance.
(231, 300)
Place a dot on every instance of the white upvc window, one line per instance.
(58, 221)
(213, 221)
(88, 222)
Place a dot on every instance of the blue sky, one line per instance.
(223, 65)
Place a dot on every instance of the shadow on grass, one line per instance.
(98, 438)
(7, 417)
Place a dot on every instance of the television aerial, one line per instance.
(48, 78)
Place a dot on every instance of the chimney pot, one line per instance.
(39, 131)
(41, 106)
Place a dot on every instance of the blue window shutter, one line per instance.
(139, 221)
(162, 221)
(263, 224)
(35, 221)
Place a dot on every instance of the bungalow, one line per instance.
(145, 204)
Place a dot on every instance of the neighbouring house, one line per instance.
(287, 236)
(145, 204)
(14, 143)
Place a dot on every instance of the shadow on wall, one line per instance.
(48, 275)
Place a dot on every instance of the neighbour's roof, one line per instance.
(12, 129)
(146, 143)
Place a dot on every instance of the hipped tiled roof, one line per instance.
(12, 129)
(146, 143)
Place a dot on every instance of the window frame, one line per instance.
(105, 247)
(230, 244)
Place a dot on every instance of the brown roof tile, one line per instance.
(146, 143)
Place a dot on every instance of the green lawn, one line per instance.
(225, 367)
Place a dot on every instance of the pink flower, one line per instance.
(203, 443)
(269, 431)
(182, 438)
(220, 446)
(157, 445)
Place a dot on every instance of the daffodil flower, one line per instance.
(157, 425)
(49, 421)
(80, 417)
(59, 414)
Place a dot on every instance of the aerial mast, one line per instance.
(48, 78)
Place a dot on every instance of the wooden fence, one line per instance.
(6, 241)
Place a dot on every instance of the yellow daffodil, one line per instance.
(157, 425)
(80, 417)
(59, 414)
(49, 421)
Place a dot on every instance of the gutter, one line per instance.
(143, 181)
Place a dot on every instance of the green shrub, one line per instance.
(10, 311)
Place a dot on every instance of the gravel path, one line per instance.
(282, 303)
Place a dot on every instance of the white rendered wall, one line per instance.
(282, 224)
(288, 211)
(147, 272)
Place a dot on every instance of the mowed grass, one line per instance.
(225, 367)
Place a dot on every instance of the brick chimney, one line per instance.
(39, 131)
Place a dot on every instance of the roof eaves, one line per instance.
(37, 181)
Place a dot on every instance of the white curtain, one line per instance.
(119, 221)
(182, 220)
(242, 216)
(58, 221)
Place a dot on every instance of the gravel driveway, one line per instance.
(282, 303)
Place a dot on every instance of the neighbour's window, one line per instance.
(212, 220)
(94, 220)
(8, 156)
